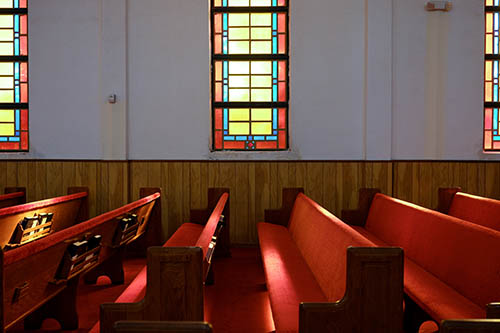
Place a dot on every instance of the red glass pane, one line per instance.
(217, 3)
(218, 119)
(234, 145)
(281, 3)
(218, 23)
(282, 140)
(9, 146)
(24, 93)
(218, 44)
(24, 120)
(24, 25)
(487, 140)
(24, 72)
(218, 71)
(22, 4)
(281, 44)
(218, 140)
(24, 45)
(282, 71)
(487, 119)
(496, 145)
(218, 92)
(282, 23)
(266, 144)
(282, 92)
(282, 118)
(24, 140)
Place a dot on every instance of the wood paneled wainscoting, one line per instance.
(254, 186)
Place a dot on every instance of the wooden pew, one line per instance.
(40, 279)
(170, 287)
(66, 211)
(307, 255)
(162, 327)
(451, 265)
(13, 196)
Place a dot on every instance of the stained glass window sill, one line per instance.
(254, 155)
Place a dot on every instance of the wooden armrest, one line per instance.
(445, 198)
(470, 325)
(373, 301)
(282, 215)
(162, 326)
(358, 216)
(493, 311)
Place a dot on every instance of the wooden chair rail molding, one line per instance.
(358, 216)
(282, 216)
(162, 327)
(13, 196)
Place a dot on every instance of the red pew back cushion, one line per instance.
(479, 210)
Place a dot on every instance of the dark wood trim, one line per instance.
(358, 216)
(162, 327)
(470, 326)
(83, 213)
(282, 216)
(373, 301)
(445, 198)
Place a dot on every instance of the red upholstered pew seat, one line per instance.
(306, 261)
(479, 210)
(452, 267)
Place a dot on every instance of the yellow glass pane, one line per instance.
(6, 116)
(262, 129)
(239, 129)
(238, 3)
(489, 42)
(489, 22)
(239, 81)
(262, 81)
(261, 114)
(239, 47)
(6, 82)
(260, 2)
(239, 95)
(6, 49)
(261, 47)
(6, 68)
(238, 20)
(487, 91)
(261, 19)
(261, 95)
(6, 4)
(6, 21)
(6, 35)
(239, 33)
(261, 67)
(6, 129)
(489, 2)
(488, 71)
(6, 96)
(239, 67)
(261, 33)
(239, 114)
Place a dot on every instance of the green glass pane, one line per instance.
(6, 21)
(239, 81)
(262, 128)
(238, 3)
(6, 49)
(261, 114)
(261, 95)
(239, 95)
(239, 47)
(261, 67)
(6, 4)
(260, 3)
(239, 128)
(6, 96)
(6, 129)
(239, 33)
(6, 83)
(239, 67)
(6, 116)
(239, 114)
(238, 20)
(261, 47)
(262, 81)
(6, 68)
(261, 33)
(261, 19)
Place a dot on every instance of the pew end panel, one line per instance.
(174, 289)
(357, 217)
(445, 198)
(18, 196)
(493, 311)
(470, 326)
(162, 327)
(201, 216)
(373, 301)
(83, 213)
(282, 216)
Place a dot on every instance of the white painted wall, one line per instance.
(377, 79)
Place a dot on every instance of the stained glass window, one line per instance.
(250, 74)
(13, 75)
(491, 76)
